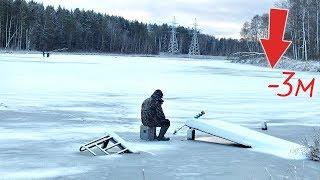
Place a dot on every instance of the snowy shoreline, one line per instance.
(161, 55)
(285, 63)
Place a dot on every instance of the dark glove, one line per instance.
(160, 101)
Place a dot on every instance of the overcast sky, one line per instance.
(221, 18)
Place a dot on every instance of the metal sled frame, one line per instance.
(103, 145)
(240, 145)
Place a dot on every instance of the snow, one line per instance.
(146, 147)
(41, 173)
(56, 104)
(284, 63)
(257, 141)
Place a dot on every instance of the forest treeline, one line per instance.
(302, 29)
(31, 26)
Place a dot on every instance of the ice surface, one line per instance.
(41, 173)
(56, 104)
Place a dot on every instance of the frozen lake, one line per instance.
(55, 104)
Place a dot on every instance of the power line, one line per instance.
(173, 45)
(194, 46)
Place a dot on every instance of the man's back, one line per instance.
(147, 112)
(151, 111)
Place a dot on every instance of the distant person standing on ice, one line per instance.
(152, 114)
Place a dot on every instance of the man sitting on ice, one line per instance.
(152, 114)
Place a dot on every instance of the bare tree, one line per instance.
(304, 34)
(317, 27)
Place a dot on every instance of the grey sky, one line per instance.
(221, 18)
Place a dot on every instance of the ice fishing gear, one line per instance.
(264, 126)
(196, 117)
(199, 115)
(175, 132)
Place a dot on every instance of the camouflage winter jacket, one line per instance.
(151, 111)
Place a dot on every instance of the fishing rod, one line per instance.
(195, 117)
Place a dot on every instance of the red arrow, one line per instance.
(275, 46)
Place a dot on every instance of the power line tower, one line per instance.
(173, 46)
(194, 46)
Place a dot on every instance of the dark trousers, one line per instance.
(164, 128)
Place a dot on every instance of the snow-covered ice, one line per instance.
(43, 173)
(56, 104)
